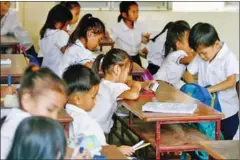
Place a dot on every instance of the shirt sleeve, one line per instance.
(176, 57)
(117, 89)
(62, 39)
(10, 22)
(231, 66)
(193, 67)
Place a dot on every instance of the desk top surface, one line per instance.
(7, 40)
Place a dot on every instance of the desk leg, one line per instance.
(218, 129)
(157, 136)
(101, 48)
(66, 128)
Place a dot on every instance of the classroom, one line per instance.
(136, 80)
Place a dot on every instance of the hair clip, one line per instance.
(35, 68)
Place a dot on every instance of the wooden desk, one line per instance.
(111, 152)
(222, 149)
(16, 69)
(166, 93)
(106, 42)
(8, 41)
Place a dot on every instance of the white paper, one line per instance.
(165, 107)
(6, 61)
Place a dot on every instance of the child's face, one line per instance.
(208, 53)
(183, 44)
(93, 40)
(132, 13)
(4, 8)
(48, 104)
(76, 13)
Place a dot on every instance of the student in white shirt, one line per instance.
(54, 36)
(10, 25)
(128, 32)
(177, 53)
(83, 85)
(41, 93)
(155, 50)
(75, 9)
(217, 66)
(116, 66)
(82, 42)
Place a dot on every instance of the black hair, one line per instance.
(38, 138)
(58, 13)
(79, 78)
(70, 4)
(124, 6)
(112, 57)
(202, 34)
(37, 80)
(88, 22)
(175, 32)
(167, 26)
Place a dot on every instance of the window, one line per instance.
(97, 5)
(147, 5)
(14, 5)
(231, 6)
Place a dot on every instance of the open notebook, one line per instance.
(165, 107)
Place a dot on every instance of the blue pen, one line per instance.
(9, 79)
(81, 149)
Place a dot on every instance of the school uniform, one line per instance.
(106, 104)
(84, 124)
(50, 48)
(8, 129)
(172, 70)
(214, 72)
(76, 53)
(156, 53)
(128, 39)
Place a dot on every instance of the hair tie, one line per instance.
(35, 68)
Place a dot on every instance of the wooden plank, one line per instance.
(222, 149)
(7, 41)
(167, 93)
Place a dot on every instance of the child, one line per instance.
(128, 32)
(30, 143)
(177, 53)
(116, 66)
(83, 86)
(82, 42)
(217, 66)
(54, 36)
(41, 93)
(74, 8)
(155, 50)
(10, 25)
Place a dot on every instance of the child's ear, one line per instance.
(217, 44)
(26, 100)
(90, 33)
(124, 15)
(178, 44)
(116, 69)
(78, 100)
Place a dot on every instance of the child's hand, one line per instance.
(126, 150)
(137, 85)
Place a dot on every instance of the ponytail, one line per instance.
(2, 121)
(120, 18)
(96, 63)
(167, 26)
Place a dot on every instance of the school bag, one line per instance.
(146, 76)
(28, 57)
(208, 128)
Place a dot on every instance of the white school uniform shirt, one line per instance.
(156, 50)
(50, 48)
(223, 65)
(8, 129)
(106, 103)
(10, 24)
(84, 124)
(128, 39)
(76, 53)
(172, 70)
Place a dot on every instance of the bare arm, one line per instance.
(186, 60)
(188, 77)
(133, 92)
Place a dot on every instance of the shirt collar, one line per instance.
(75, 109)
(79, 43)
(124, 26)
(222, 51)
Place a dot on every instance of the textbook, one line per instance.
(166, 107)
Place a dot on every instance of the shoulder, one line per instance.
(62, 34)
(117, 26)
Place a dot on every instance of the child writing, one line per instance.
(155, 50)
(75, 9)
(29, 142)
(177, 53)
(116, 66)
(54, 36)
(217, 66)
(41, 93)
(83, 85)
(82, 42)
(10, 25)
(128, 32)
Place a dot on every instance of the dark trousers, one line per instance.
(229, 126)
(137, 59)
(31, 51)
(153, 68)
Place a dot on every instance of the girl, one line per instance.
(83, 85)
(116, 66)
(128, 33)
(82, 42)
(74, 8)
(217, 66)
(10, 25)
(155, 50)
(53, 36)
(177, 53)
(41, 93)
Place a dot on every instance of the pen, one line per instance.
(9, 79)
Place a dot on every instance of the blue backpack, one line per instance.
(202, 94)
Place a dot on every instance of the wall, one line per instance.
(227, 23)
